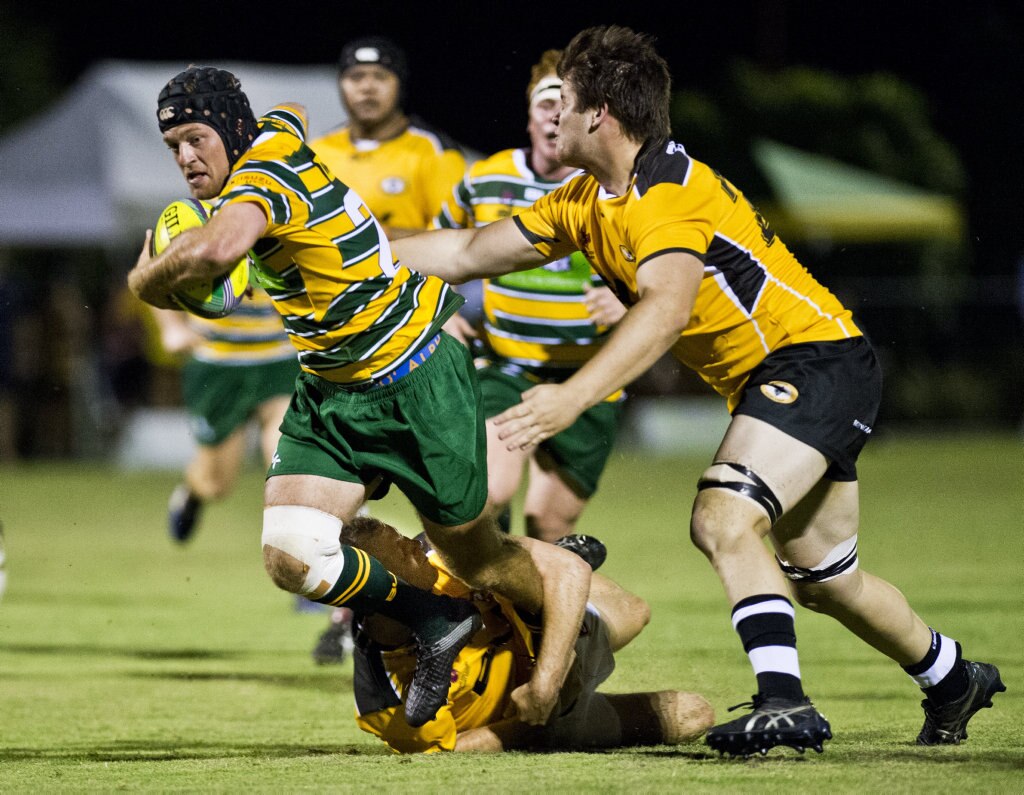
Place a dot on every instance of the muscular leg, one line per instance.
(728, 527)
(481, 555)
(504, 476)
(869, 607)
(552, 505)
(212, 472)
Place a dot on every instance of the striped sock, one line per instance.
(765, 626)
(941, 673)
(367, 587)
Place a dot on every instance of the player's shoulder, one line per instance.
(335, 138)
(666, 163)
(505, 162)
(439, 140)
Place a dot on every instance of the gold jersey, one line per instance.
(252, 334)
(755, 297)
(404, 179)
(352, 312)
(498, 659)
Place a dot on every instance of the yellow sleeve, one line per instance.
(545, 225)
(389, 724)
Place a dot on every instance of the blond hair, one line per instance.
(545, 67)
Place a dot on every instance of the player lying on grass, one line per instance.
(479, 715)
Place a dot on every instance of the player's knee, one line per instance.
(833, 582)
(548, 527)
(830, 596)
(301, 548)
(719, 518)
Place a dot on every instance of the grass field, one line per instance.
(129, 663)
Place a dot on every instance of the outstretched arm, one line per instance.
(461, 255)
(667, 286)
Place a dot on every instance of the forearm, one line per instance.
(643, 335)
(184, 263)
(565, 580)
(461, 255)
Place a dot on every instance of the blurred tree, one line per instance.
(877, 122)
(27, 80)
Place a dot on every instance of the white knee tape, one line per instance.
(841, 560)
(308, 535)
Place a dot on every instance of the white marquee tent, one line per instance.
(91, 170)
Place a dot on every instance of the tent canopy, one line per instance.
(816, 197)
(92, 170)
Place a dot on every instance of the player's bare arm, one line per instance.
(565, 579)
(461, 255)
(197, 254)
(667, 286)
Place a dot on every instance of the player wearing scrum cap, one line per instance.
(384, 396)
(539, 326)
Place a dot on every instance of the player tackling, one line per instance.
(705, 276)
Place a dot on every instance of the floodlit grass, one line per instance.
(127, 662)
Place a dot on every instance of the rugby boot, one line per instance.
(773, 721)
(946, 724)
(182, 513)
(335, 644)
(434, 658)
(587, 547)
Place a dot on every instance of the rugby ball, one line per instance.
(213, 299)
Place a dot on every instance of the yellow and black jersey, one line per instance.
(535, 322)
(252, 334)
(498, 659)
(352, 312)
(404, 179)
(755, 296)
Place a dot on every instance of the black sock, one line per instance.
(766, 628)
(942, 673)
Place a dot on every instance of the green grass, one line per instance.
(129, 663)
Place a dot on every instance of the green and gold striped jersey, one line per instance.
(404, 179)
(755, 296)
(350, 309)
(535, 322)
(252, 334)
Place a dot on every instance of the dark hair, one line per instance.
(210, 96)
(614, 65)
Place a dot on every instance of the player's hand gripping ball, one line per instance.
(215, 298)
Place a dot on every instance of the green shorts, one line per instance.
(580, 451)
(220, 398)
(425, 433)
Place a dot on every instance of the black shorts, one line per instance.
(825, 394)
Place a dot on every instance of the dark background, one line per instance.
(948, 362)
(470, 63)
